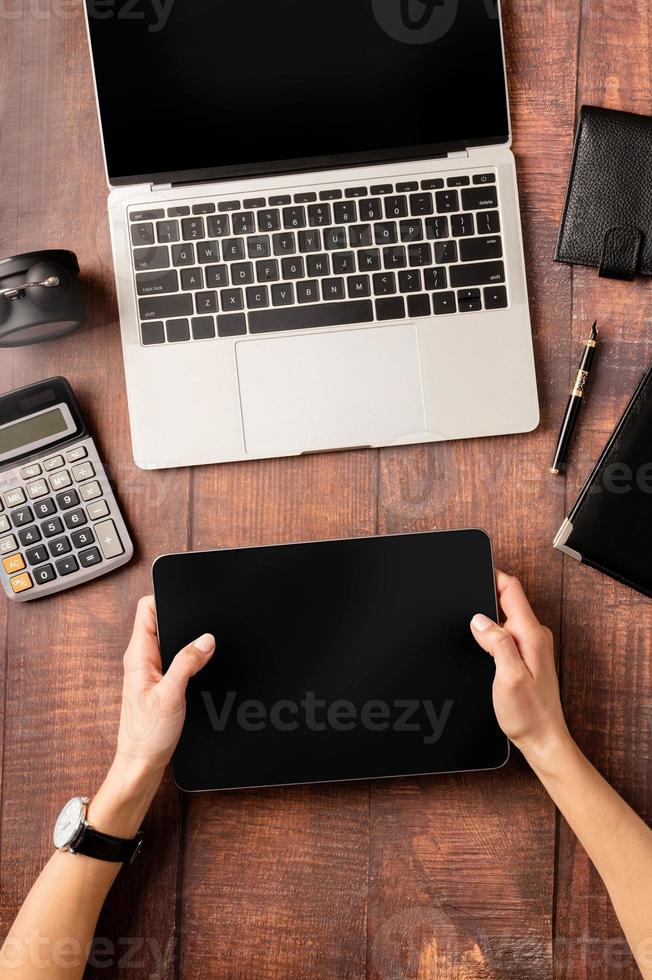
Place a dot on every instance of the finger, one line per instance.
(143, 649)
(522, 621)
(187, 663)
(500, 644)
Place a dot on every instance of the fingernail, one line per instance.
(205, 643)
(481, 623)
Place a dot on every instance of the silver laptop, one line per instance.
(315, 225)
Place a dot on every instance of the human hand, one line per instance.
(526, 689)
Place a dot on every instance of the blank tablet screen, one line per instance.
(335, 660)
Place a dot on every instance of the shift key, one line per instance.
(109, 539)
(476, 274)
(157, 307)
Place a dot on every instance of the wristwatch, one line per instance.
(73, 833)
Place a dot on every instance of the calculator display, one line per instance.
(35, 431)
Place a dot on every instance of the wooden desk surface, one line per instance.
(465, 878)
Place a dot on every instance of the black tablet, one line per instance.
(335, 660)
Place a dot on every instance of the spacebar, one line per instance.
(306, 317)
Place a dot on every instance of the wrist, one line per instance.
(547, 756)
(119, 806)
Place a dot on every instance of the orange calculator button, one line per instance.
(21, 583)
(13, 564)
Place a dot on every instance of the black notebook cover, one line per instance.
(610, 526)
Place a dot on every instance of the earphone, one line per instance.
(39, 297)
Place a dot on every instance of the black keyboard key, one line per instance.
(477, 274)
(194, 278)
(229, 206)
(257, 297)
(384, 283)
(21, 516)
(35, 556)
(466, 294)
(409, 281)
(61, 546)
(242, 273)
(89, 557)
(243, 223)
(411, 230)
(178, 212)
(308, 291)
(469, 305)
(436, 278)
(390, 309)
(356, 192)
(269, 220)
(54, 526)
(395, 258)
(285, 243)
(305, 198)
(333, 289)
(76, 518)
(371, 209)
(282, 295)
(203, 327)
(208, 252)
(459, 181)
(177, 331)
(382, 189)
(292, 268)
(484, 178)
(217, 276)
(29, 535)
(488, 222)
(445, 252)
(333, 195)
(309, 241)
(294, 218)
(477, 198)
(219, 225)
(320, 214)
(44, 574)
(343, 263)
(359, 287)
(233, 249)
(43, 508)
(152, 333)
(437, 228)
(192, 229)
(369, 260)
(147, 215)
(82, 538)
(335, 238)
(231, 300)
(205, 302)
(443, 303)
(156, 307)
(418, 305)
(157, 257)
(495, 298)
(386, 233)
(345, 212)
(360, 236)
(205, 208)
(462, 225)
(259, 247)
(167, 231)
(421, 204)
(477, 249)
(254, 202)
(319, 265)
(309, 317)
(183, 254)
(447, 201)
(420, 255)
(234, 325)
(267, 270)
(152, 283)
(66, 566)
(396, 207)
(280, 200)
(433, 184)
(142, 234)
(407, 186)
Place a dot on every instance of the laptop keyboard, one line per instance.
(342, 256)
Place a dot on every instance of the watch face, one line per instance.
(69, 822)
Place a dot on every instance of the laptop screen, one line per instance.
(200, 88)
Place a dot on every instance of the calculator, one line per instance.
(59, 521)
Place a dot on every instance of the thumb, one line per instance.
(189, 662)
(499, 642)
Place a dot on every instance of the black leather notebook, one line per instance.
(610, 526)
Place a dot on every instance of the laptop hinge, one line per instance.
(160, 187)
(458, 155)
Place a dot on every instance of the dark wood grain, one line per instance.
(457, 878)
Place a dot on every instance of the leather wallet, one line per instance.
(610, 526)
(607, 219)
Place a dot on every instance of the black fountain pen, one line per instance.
(575, 403)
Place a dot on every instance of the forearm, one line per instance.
(54, 929)
(617, 841)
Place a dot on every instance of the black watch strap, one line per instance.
(94, 844)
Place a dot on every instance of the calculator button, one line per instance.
(53, 463)
(60, 547)
(65, 566)
(90, 490)
(39, 488)
(69, 499)
(60, 480)
(21, 583)
(13, 564)
(83, 472)
(44, 574)
(99, 508)
(109, 540)
(5, 525)
(29, 535)
(28, 472)
(82, 539)
(50, 528)
(76, 518)
(22, 516)
(78, 453)
(44, 508)
(35, 556)
(8, 544)
(90, 557)
(14, 498)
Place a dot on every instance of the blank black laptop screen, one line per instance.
(237, 86)
(338, 660)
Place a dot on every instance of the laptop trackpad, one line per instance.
(331, 390)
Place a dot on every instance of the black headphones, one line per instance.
(40, 297)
